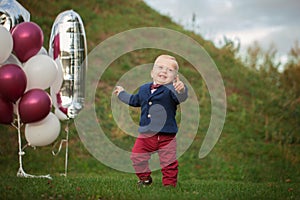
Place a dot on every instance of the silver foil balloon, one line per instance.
(12, 13)
(68, 44)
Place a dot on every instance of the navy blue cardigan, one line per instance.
(158, 110)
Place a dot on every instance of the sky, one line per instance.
(275, 22)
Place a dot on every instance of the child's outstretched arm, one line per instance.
(132, 100)
(117, 90)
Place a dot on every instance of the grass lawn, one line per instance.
(123, 186)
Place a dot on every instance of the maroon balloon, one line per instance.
(28, 40)
(12, 82)
(56, 47)
(6, 111)
(34, 106)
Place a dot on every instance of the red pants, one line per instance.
(165, 146)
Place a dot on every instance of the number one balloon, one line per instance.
(68, 46)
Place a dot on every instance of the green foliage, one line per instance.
(282, 95)
(290, 76)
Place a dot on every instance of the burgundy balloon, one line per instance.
(12, 82)
(28, 39)
(34, 106)
(6, 111)
(56, 47)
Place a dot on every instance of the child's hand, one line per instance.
(178, 85)
(117, 90)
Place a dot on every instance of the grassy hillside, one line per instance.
(260, 142)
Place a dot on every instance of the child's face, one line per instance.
(164, 71)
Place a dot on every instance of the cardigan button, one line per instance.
(150, 103)
(148, 115)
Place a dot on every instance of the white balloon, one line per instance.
(53, 96)
(43, 132)
(43, 51)
(56, 86)
(57, 83)
(41, 71)
(12, 59)
(6, 44)
(55, 89)
(60, 115)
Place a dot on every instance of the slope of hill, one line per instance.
(259, 142)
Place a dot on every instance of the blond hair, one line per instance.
(174, 62)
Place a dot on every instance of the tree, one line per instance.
(290, 77)
(253, 55)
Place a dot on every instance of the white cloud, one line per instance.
(265, 21)
(250, 35)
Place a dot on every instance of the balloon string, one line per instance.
(67, 147)
(14, 125)
(25, 146)
(59, 148)
(21, 172)
(16, 122)
(21, 152)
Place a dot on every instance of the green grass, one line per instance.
(123, 186)
(224, 174)
(256, 157)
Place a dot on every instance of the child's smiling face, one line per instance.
(164, 70)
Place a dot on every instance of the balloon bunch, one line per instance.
(27, 72)
(24, 76)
